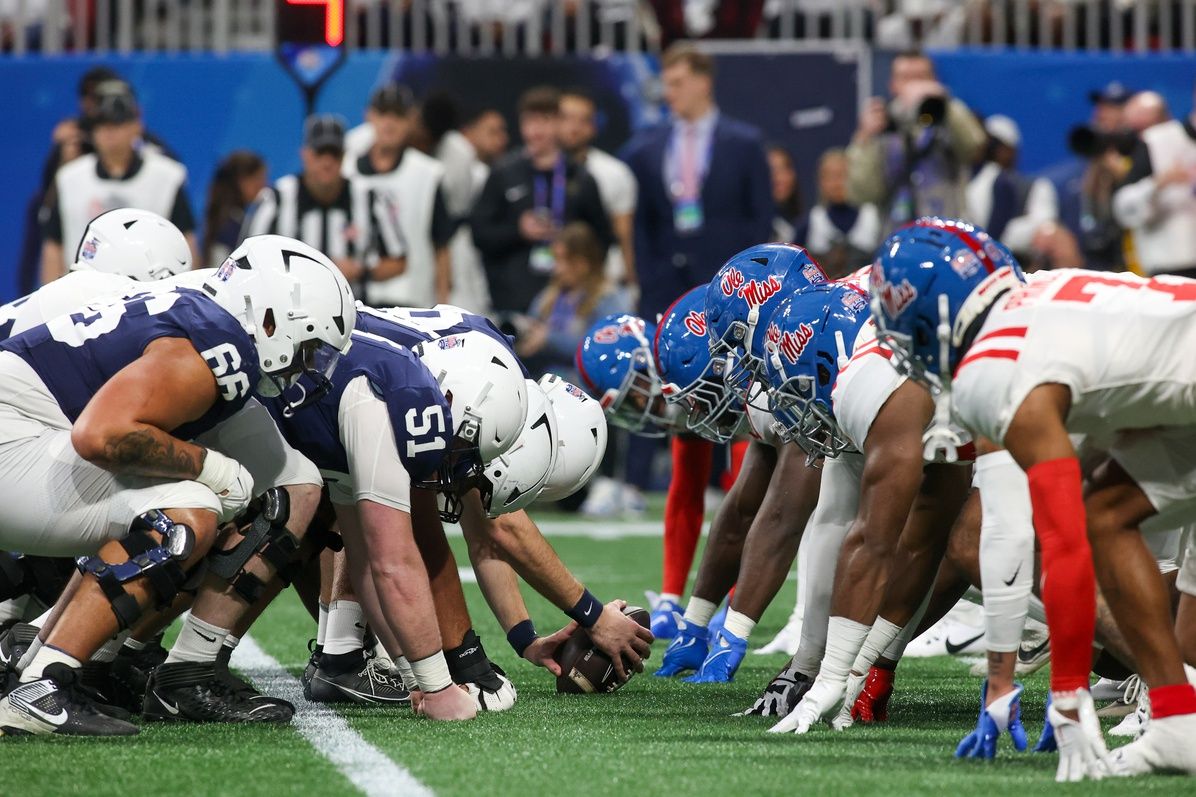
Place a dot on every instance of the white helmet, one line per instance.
(516, 477)
(484, 385)
(135, 243)
(581, 425)
(295, 304)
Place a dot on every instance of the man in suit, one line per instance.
(705, 194)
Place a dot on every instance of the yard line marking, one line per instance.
(365, 766)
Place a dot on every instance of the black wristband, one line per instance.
(521, 635)
(586, 611)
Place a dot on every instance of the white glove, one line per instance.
(823, 699)
(497, 700)
(855, 684)
(229, 480)
(1081, 746)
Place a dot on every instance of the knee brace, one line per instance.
(267, 536)
(160, 563)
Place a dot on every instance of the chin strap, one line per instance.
(940, 443)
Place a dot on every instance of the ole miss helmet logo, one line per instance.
(732, 281)
(894, 299)
(612, 332)
(756, 293)
(695, 322)
(790, 344)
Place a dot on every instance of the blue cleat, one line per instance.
(723, 660)
(716, 622)
(664, 619)
(686, 652)
(1005, 714)
(1046, 742)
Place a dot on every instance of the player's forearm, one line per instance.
(500, 588)
(388, 268)
(525, 548)
(138, 450)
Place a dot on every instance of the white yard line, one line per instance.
(365, 766)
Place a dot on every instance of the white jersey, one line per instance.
(61, 296)
(1122, 345)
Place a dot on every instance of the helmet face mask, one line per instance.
(638, 404)
(615, 362)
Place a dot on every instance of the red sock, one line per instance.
(738, 449)
(1068, 580)
(1168, 701)
(684, 509)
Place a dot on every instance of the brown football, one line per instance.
(587, 670)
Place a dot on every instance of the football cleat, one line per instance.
(55, 704)
(947, 637)
(872, 704)
(187, 691)
(1122, 696)
(313, 664)
(716, 622)
(787, 640)
(726, 653)
(686, 652)
(13, 643)
(352, 678)
(785, 691)
(1135, 723)
(663, 620)
(131, 671)
(242, 688)
(1005, 714)
(1165, 746)
(1033, 653)
(108, 694)
(1082, 751)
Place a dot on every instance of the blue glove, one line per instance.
(687, 651)
(1046, 742)
(1003, 715)
(726, 653)
(663, 619)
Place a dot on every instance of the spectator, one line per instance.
(704, 186)
(616, 184)
(1158, 198)
(913, 156)
(1053, 246)
(486, 131)
(786, 194)
(116, 175)
(340, 216)
(410, 181)
(577, 295)
(238, 180)
(839, 235)
(1003, 200)
(527, 199)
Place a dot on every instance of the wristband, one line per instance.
(521, 635)
(586, 611)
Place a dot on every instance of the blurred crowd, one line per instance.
(424, 202)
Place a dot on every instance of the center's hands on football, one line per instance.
(542, 652)
(621, 638)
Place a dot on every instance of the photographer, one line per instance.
(1157, 200)
(913, 156)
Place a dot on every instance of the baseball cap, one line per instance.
(392, 98)
(324, 132)
(115, 103)
(1114, 93)
(1003, 129)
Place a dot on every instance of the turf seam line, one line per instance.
(370, 770)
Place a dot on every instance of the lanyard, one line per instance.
(540, 187)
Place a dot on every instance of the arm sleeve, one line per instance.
(495, 227)
(366, 433)
(180, 213)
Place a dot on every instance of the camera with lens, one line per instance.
(929, 113)
(1088, 142)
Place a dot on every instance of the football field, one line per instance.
(653, 737)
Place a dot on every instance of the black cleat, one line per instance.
(313, 664)
(188, 691)
(95, 682)
(57, 704)
(241, 687)
(15, 640)
(131, 671)
(353, 678)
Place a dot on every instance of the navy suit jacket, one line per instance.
(737, 209)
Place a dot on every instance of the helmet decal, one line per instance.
(756, 292)
(896, 298)
(790, 344)
(732, 281)
(695, 322)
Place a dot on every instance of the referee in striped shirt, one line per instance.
(341, 217)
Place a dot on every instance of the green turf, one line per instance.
(653, 737)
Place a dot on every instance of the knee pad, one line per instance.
(159, 562)
(267, 536)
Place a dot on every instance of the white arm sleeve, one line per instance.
(377, 471)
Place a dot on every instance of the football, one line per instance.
(587, 670)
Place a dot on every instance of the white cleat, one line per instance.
(1165, 746)
(1081, 748)
(823, 700)
(787, 639)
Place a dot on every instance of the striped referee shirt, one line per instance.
(356, 224)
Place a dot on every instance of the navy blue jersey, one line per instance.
(419, 413)
(76, 354)
(410, 327)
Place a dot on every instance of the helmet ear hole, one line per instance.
(824, 375)
(268, 324)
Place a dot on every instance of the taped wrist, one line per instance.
(521, 636)
(431, 674)
(218, 472)
(587, 610)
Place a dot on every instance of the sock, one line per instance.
(879, 636)
(432, 673)
(844, 638)
(684, 509)
(739, 624)
(13, 609)
(109, 649)
(322, 625)
(699, 611)
(231, 642)
(41, 619)
(34, 648)
(1170, 701)
(896, 648)
(198, 641)
(45, 657)
(135, 644)
(346, 628)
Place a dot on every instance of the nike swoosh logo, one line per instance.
(359, 625)
(53, 719)
(1013, 578)
(955, 647)
(202, 635)
(166, 704)
(1027, 655)
(712, 659)
(588, 612)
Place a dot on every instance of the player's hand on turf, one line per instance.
(1046, 742)
(855, 684)
(824, 699)
(1005, 714)
(1081, 747)
(686, 652)
(782, 694)
(542, 651)
(624, 640)
(451, 703)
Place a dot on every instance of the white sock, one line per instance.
(40, 620)
(44, 658)
(844, 638)
(109, 649)
(668, 596)
(739, 624)
(231, 642)
(699, 611)
(432, 674)
(896, 648)
(346, 627)
(322, 624)
(879, 637)
(134, 644)
(34, 648)
(198, 641)
(13, 609)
